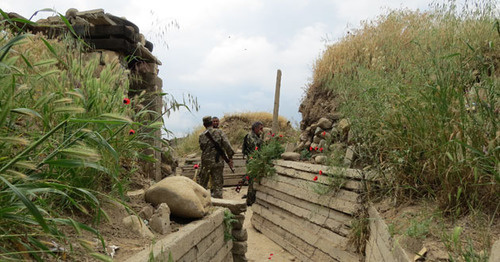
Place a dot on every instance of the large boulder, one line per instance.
(184, 197)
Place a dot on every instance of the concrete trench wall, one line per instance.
(311, 226)
(201, 240)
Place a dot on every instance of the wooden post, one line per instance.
(275, 127)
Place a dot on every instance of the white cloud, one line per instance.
(226, 52)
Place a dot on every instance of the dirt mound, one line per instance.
(318, 102)
(237, 125)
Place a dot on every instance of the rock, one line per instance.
(495, 252)
(235, 206)
(313, 127)
(304, 136)
(316, 139)
(307, 144)
(193, 155)
(335, 116)
(238, 224)
(300, 146)
(290, 147)
(325, 123)
(349, 156)
(136, 195)
(344, 126)
(308, 130)
(240, 235)
(166, 170)
(239, 258)
(184, 197)
(318, 131)
(320, 159)
(135, 224)
(322, 144)
(291, 156)
(146, 212)
(160, 221)
(239, 248)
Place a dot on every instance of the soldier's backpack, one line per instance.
(245, 149)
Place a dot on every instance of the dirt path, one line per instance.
(260, 248)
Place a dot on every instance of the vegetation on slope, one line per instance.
(421, 90)
(69, 136)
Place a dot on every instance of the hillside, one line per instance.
(421, 93)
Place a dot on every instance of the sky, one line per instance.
(226, 53)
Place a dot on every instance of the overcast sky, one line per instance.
(227, 52)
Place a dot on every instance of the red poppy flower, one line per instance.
(315, 178)
(271, 254)
(251, 157)
(320, 149)
(324, 133)
(281, 135)
(196, 166)
(272, 135)
(316, 148)
(247, 178)
(126, 101)
(131, 132)
(256, 148)
(310, 148)
(320, 172)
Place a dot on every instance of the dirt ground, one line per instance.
(260, 248)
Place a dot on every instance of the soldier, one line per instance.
(252, 141)
(215, 122)
(212, 163)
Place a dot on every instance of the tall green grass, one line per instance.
(422, 92)
(64, 137)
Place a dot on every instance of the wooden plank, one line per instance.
(353, 185)
(313, 235)
(309, 195)
(306, 204)
(314, 168)
(292, 244)
(339, 227)
(311, 185)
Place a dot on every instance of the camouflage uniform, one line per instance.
(212, 164)
(254, 143)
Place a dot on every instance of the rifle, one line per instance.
(219, 149)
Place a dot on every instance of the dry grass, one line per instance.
(236, 126)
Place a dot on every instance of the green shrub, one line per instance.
(260, 162)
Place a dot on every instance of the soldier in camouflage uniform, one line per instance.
(253, 141)
(215, 122)
(212, 164)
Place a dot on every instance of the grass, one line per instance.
(65, 138)
(421, 91)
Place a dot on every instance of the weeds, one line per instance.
(64, 138)
(228, 225)
(260, 162)
(421, 92)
